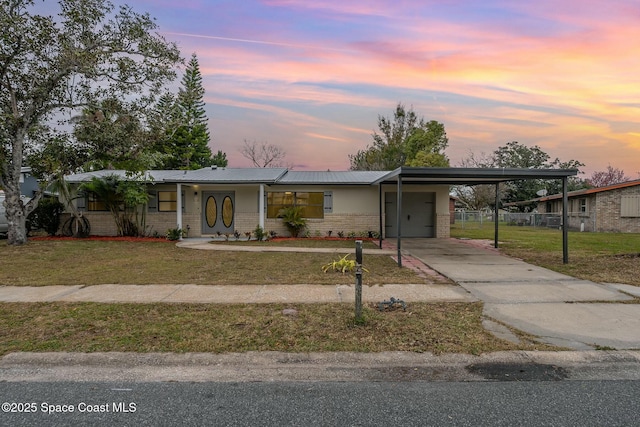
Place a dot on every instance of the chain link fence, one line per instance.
(478, 219)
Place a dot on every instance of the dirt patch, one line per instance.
(627, 256)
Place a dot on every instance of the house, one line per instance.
(222, 200)
(405, 202)
(613, 208)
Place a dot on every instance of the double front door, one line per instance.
(218, 209)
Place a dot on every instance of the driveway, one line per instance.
(559, 309)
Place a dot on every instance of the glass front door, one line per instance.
(217, 212)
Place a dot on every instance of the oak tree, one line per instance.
(51, 67)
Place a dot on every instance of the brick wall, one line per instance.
(607, 212)
(443, 227)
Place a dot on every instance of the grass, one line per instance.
(85, 262)
(93, 327)
(599, 257)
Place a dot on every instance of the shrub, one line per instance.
(259, 233)
(174, 233)
(46, 216)
(293, 219)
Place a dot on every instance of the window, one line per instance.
(582, 206)
(167, 201)
(312, 203)
(94, 203)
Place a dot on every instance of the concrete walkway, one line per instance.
(559, 309)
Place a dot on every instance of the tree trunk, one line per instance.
(16, 218)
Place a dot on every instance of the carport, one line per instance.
(472, 176)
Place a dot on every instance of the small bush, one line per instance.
(293, 219)
(174, 233)
(259, 233)
(46, 216)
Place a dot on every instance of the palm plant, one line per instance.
(293, 219)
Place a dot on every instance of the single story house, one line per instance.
(405, 202)
(613, 208)
(223, 200)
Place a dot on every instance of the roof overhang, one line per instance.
(470, 176)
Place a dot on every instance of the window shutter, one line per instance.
(328, 202)
(152, 204)
(630, 206)
(81, 202)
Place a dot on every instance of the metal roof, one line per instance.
(331, 177)
(152, 176)
(471, 176)
(450, 176)
(215, 175)
(587, 191)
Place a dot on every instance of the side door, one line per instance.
(218, 212)
(418, 214)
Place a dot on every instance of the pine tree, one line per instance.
(181, 128)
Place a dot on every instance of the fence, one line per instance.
(477, 219)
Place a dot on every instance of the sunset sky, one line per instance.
(313, 75)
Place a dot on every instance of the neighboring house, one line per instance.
(222, 200)
(614, 208)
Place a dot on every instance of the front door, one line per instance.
(218, 211)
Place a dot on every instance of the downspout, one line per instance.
(179, 207)
(399, 220)
(261, 207)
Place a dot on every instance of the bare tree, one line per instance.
(609, 177)
(263, 155)
(476, 197)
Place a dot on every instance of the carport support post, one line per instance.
(495, 216)
(399, 220)
(358, 281)
(380, 213)
(565, 222)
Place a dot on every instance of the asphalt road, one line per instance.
(419, 403)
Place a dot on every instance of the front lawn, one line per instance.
(86, 262)
(93, 327)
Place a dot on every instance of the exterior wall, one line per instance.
(355, 210)
(603, 212)
(607, 211)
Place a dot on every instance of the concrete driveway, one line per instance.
(559, 309)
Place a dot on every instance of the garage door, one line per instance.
(418, 213)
